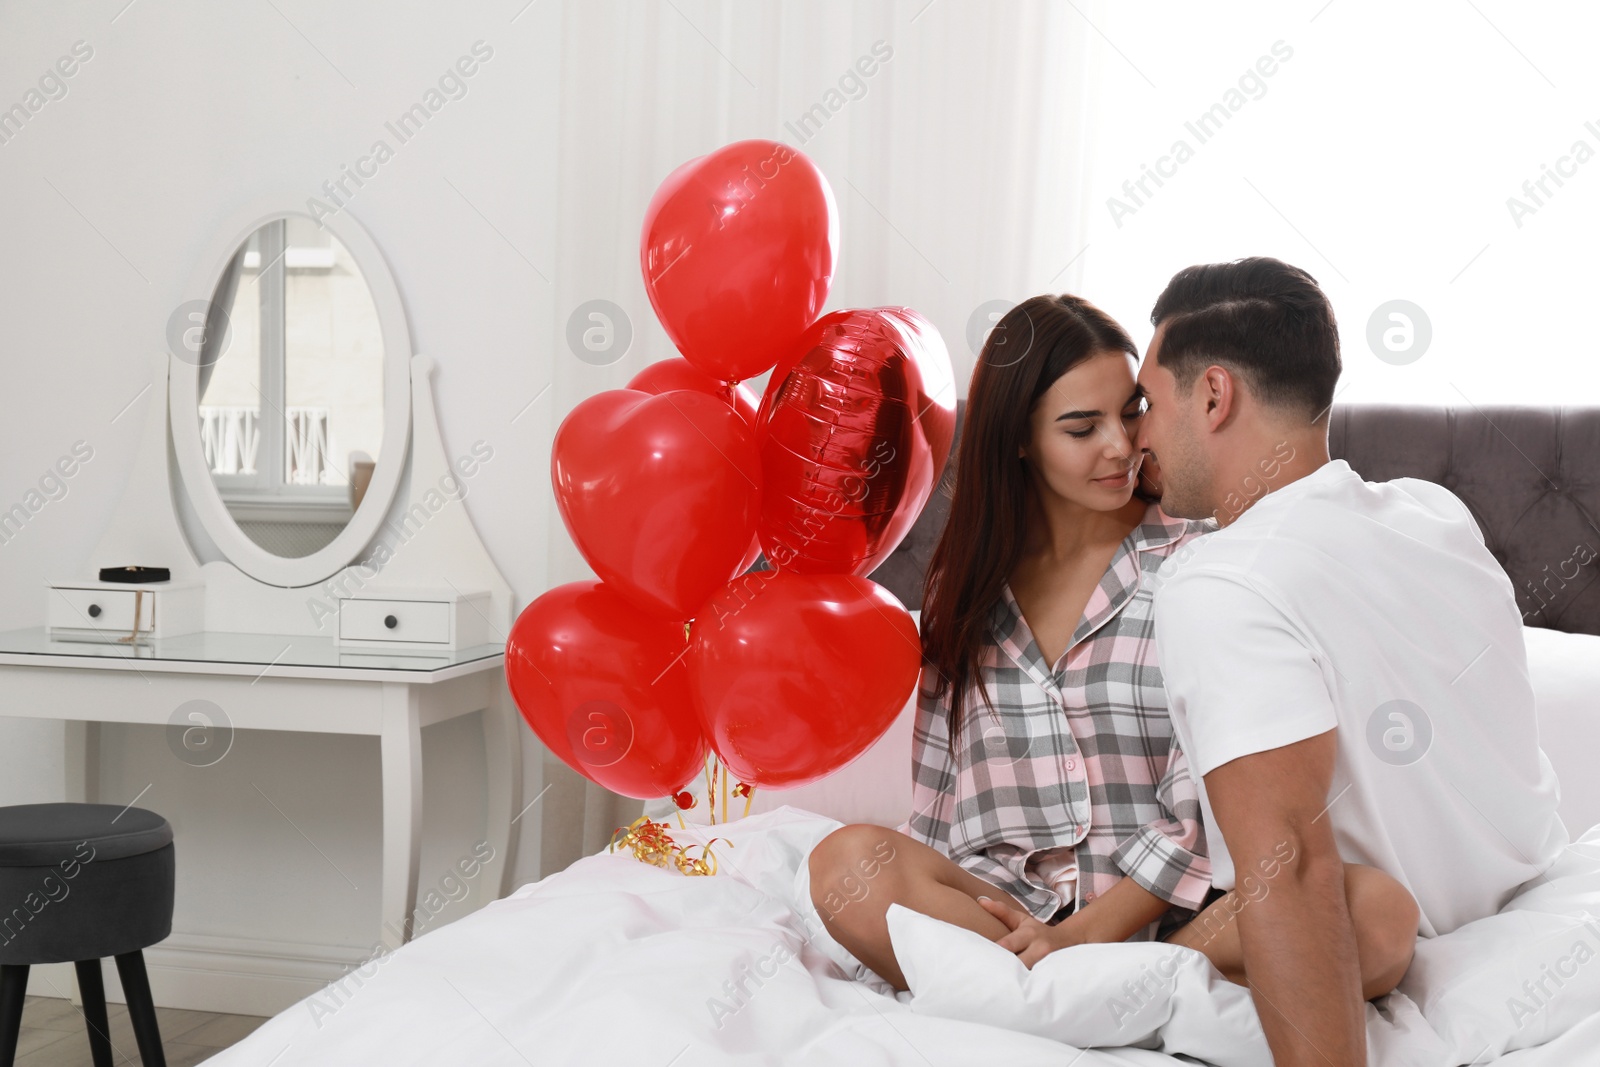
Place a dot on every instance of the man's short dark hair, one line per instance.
(1257, 316)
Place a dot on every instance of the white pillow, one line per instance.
(1140, 993)
(1565, 670)
(1515, 980)
(875, 787)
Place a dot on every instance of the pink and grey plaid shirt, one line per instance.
(1078, 778)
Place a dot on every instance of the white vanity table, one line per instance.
(278, 682)
(313, 588)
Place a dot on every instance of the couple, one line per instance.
(1243, 702)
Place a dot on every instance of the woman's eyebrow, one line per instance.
(1138, 391)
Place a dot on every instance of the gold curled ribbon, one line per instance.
(651, 844)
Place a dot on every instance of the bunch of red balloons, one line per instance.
(673, 486)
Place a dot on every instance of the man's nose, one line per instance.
(1141, 434)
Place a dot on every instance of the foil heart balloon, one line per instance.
(659, 492)
(854, 431)
(603, 686)
(678, 373)
(665, 375)
(795, 675)
(738, 251)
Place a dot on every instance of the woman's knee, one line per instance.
(1384, 915)
(853, 863)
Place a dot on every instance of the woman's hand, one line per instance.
(1029, 938)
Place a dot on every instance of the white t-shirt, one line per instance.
(1373, 608)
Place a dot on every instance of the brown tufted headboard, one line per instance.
(1529, 475)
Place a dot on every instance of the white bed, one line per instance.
(616, 961)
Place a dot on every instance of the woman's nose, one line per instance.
(1120, 443)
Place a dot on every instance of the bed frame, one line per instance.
(1530, 475)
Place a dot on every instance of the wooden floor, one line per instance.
(54, 1034)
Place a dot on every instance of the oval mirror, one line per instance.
(291, 387)
(290, 397)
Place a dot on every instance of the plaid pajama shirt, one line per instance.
(1078, 769)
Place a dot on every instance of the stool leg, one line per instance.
(13, 990)
(141, 1008)
(92, 987)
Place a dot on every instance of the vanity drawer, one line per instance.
(99, 609)
(413, 621)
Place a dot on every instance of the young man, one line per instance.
(1343, 659)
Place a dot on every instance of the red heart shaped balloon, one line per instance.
(678, 373)
(795, 675)
(854, 431)
(738, 251)
(605, 689)
(659, 492)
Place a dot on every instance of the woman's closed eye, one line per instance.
(1136, 413)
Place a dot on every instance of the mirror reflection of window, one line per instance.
(291, 398)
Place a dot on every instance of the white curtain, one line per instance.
(958, 174)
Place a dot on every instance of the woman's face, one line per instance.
(1081, 431)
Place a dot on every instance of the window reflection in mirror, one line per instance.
(291, 400)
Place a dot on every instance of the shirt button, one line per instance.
(1072, 764)
(1088, 897)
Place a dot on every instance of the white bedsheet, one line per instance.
(617, 961)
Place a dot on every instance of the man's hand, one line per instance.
(1029, 938)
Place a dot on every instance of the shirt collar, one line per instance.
(1158, 529)
(1121, 580)
(1335, 470)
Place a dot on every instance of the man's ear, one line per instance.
(1218, 389)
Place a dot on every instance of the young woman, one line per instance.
(1059, 794)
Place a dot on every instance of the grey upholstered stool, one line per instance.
(79, 882)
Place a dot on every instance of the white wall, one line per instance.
(110, 193)
(516, 203)
(1387, 155)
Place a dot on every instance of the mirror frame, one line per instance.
(183, 398)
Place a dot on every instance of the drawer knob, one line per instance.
(94, 611)
(390, 621)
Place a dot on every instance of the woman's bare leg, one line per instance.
(1382, 911)
(858, 870)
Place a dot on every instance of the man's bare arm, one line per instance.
(1299, 946)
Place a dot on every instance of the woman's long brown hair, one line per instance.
(1030, 347)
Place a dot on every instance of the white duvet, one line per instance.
(614, 961)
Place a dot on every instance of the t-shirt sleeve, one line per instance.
(1241, 676)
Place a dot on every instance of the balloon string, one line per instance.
(714, 771)
(711, 788)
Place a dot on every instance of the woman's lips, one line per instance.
(1115, 482)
